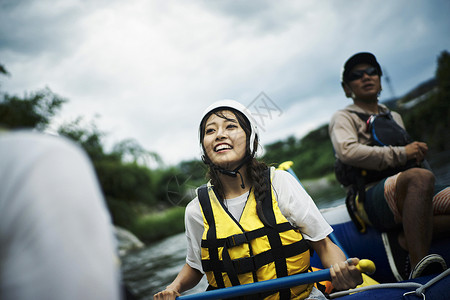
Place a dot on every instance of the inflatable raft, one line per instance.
(371, 245)
(387, 282)
(389, 260)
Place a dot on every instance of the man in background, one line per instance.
(384, 168)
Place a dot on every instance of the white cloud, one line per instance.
(149, 68)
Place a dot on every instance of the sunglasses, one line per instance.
(371, 71)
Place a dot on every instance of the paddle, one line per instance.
(364, 265)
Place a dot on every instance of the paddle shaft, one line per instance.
(262, 286)
(364, 265)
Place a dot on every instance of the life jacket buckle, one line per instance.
(236, 240)
(244, 265)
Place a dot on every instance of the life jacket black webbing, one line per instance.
(274, 238)
(213, 251)
(277, 254)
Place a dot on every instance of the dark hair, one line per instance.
(255, 169)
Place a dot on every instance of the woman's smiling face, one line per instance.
(224, 140)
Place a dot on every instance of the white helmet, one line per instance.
(227, 103)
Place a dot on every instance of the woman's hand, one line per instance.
(345, 275)
(167, 294)
(185, 280)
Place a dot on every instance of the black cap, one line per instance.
(360, 58)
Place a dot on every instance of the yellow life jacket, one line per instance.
(235, 253)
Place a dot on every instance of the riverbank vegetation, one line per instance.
(158, 225)
(150, 201)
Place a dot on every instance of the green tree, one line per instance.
(175, 188)
(131, 150)
(443, 72)
(33, 111)
(3, 70)
(126, 185)
(428, 120)
(195, 169)
(315, 157)
(88, 136)
(281, 151)
(312, 155)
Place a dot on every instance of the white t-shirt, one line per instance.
(56, 238)
(294, 202)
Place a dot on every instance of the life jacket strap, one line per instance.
(277, 254)
(249, 264)
(213, 251)
(245, 237)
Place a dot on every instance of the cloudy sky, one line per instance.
(146, 69)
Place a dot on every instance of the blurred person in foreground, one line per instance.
(251, 222)
(56, 238)
(382, 168)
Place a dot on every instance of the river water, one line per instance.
(151, 269)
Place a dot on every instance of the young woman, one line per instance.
(250, 222)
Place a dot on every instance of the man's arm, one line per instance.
(350, 140)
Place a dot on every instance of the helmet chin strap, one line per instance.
(234, 172)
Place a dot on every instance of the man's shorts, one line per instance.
(381, 203)
(377, 208)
